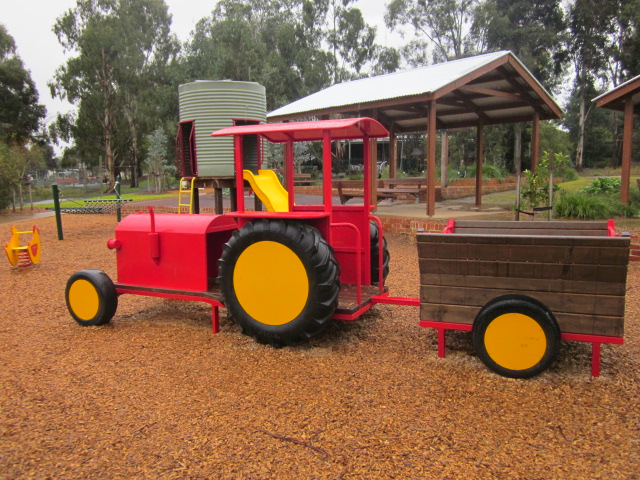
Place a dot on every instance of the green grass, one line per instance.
(79, 202)
(574, 186)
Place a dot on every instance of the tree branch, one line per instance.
(296, 441)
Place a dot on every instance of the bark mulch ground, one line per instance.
(155, 395)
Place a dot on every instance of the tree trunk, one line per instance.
(107, 123)
(129, 111)
(20, 194)
(614, 153)
(581, 123)
(517, 147)
(108, 153)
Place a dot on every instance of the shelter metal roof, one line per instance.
(615, 99)
(339, 129)
(491, 88)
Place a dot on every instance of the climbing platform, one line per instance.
(187, 185)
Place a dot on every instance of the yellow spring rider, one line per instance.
(26, 255)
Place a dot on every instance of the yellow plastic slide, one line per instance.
(268, 189)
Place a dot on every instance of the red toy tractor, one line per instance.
(283, 273)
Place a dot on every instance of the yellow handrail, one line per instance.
(183, 182)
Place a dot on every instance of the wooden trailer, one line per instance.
(521, 287)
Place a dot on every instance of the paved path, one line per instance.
(459, 208)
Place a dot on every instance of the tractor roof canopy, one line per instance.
(339, 129)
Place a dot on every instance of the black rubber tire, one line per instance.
(322, 272)
(529, 308)
(375, 243)
(106, 296)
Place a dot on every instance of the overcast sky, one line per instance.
(30, 22)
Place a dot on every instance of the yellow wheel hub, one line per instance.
(83, 299)
(271, 283)
(515, 341)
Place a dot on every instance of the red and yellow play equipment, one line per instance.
(23, 256)
(285, 272)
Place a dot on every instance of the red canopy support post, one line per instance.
(535, 142)
(373, 172)
(431, 159)
(326, 172)
(627, 138)
(393, 155)
(479, 162)
(239, 166)
(288, 176)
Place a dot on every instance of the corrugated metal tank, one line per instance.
(212, 105)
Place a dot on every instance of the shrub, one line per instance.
(589, 206)
(603, 185)
(536, 188)
(488, 171)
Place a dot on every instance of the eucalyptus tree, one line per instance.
(142, 70)
(292, 47)
(534, 31)
(623, 58)
(351, 39)
(20, 118)
(251, 40)
(20, 113)
(442, 28)
(591, 24)
(118, 50)
(628, 33)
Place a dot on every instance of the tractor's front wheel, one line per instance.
(91, 297)
(279, 281)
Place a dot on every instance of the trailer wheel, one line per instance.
(375, 245)
(91, 297)
(516, 337)
(279, 281)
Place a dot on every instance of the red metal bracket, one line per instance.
(596, 341)
(385, 298)
(215, 304)
(442, 327)
(451, 226)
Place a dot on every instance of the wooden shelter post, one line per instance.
(393, 154)
(627, 138)
(444, 160)
(535, 142)
(479, 162)
(431, 159)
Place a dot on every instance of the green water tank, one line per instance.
(206, 106)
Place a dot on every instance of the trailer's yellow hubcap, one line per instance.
(515, 341)
(271, 283)
(84, 299)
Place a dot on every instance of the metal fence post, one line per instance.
(56, 205)
(117, 189)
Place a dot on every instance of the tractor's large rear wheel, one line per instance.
(375, 254)
(279, 281)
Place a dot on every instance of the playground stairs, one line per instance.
(186, 187)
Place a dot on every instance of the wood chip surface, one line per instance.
(154, 395)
